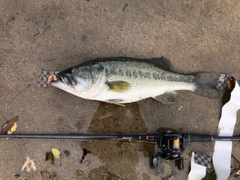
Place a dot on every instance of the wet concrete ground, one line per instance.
(54, 35)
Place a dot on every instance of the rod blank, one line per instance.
(152, 137)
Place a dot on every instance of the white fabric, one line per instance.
(197, 171)
(223, 149)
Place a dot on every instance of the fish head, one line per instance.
(74, 81)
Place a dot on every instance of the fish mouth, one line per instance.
(62, 83)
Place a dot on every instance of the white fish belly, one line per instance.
(138, 92)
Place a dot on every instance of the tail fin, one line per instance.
(206, 84)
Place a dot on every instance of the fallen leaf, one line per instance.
(17, 175)
(231, 83)
(227, 94)
(56, 153)
(8, 125)
(80, 175)
(13, 128)
(46, 175)
(50, 157)
(29, 165)
(24, 178)
(85, 152)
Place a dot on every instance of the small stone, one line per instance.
(17, 175)
(67, 153)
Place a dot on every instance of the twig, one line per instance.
(125, 7)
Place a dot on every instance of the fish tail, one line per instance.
(206, 85)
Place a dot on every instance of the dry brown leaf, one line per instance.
(49, 157)
(29, 165)
(8, 125)
(46, 175)
(231, 83)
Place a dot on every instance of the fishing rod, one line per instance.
(171, 144)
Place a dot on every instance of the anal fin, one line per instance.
(167, 98)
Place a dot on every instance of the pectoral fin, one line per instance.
(167, 98)
(118, 86)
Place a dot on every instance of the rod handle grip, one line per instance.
(199, 138)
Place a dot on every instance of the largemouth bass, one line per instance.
(126, 80)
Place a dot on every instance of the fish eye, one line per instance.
(71, 70)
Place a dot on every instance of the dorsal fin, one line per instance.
(162, 62)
